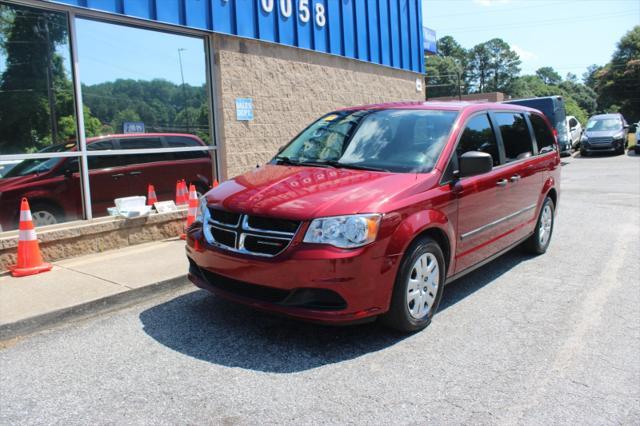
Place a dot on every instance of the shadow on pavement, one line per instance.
(212, 329)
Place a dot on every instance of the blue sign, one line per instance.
(133, 127)
(430, 40)
(244, 109)
(387, 32)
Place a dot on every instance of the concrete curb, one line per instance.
(88, 309)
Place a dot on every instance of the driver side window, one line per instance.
(478, 136)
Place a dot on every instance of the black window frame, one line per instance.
(554, 144)
(452, 164)
(534, 145)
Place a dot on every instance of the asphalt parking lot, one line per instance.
(523, 340)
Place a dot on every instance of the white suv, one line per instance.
(575, 131)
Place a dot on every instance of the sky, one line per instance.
(108, 51)
(568, 35)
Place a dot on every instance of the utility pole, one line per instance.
(459, 86)
(43, 27)
(184, 90)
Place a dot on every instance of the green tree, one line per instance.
(618, 82)
(36, 100)
(493, 66)
(589, 76)
(548, 75)
(443, 76)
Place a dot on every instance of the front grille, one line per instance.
(224, 217)
(603, 140)
(278, 225)
(266, 245)
(223, 236)
(257, 235)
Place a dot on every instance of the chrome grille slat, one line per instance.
(242, 230)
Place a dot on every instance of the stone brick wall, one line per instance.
(290, 88)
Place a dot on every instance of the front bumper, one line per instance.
(602, 147)
(315, 283)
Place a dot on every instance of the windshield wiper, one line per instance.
(292, 162)
(286, 160)
(354, 166)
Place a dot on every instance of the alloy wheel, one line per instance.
(546, 221)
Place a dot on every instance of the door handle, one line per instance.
(515, 178)
(118, 175)
(502, 182)
(135, 173)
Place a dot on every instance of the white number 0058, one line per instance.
(304, 13)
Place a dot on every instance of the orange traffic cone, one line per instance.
(184, 194)
(192, 212)
(151, 195)
(29, 257)
(178, 192)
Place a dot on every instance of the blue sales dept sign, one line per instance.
(244, 109)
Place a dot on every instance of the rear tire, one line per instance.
(418, 288)
(539, 241)
(44, 213)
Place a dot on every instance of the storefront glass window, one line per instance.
(142, 81)
(36, 90)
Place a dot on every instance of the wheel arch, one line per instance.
(431, 223)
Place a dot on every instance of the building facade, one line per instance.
(180, 89)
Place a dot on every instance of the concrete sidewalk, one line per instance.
(87, 285)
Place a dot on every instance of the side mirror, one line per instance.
(475, 163)
(68, 173)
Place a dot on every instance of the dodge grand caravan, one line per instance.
(369, 211)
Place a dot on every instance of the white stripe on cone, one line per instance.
(27, 235)
(25, 215)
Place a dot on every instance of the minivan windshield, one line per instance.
(604, 124)
(40, 165)
(392, 140)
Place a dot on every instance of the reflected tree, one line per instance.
(36, 98)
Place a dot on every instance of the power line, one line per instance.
(526, 24)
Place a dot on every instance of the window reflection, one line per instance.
(36, 92)
(52, 186)
(115, 176)
(142, 81)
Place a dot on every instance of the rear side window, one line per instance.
(140, 143)
(544, 137)
(182, 142)
(478, 136)
(515, 136)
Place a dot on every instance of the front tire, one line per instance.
(418, 288)
(539, 241)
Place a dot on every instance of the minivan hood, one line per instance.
(10, 182)
(303, 193)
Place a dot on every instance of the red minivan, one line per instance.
(53, 185)
(371, 210)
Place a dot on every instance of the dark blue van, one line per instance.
(553, 108)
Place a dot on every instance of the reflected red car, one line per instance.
(53, 185)
(370, 211)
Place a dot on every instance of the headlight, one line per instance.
(618, 136)
(584, 138)
(202, 207)
(344, 231)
